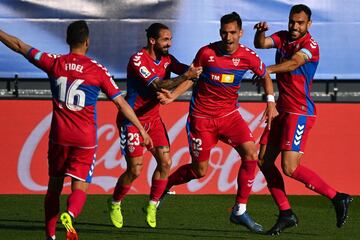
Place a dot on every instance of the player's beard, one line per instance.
(164, 51)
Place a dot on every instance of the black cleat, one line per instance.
(282, 223)
(341, 203)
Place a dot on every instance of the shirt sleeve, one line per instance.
(276, 37)
(177, 67)
(42, 60)
(141, 69)
(256, 64)
(311, 49)
(108, 85)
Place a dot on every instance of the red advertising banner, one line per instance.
(24, 128)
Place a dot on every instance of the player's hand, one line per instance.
(256, 80)
(165, 96)
(269, 114)
(261, 27)
(147, 140)
(193, 72)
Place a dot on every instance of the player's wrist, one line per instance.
(270, 98)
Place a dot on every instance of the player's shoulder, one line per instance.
(98, 67)
(310, 43)
(138, 59)
(246, 51)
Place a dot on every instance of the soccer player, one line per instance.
(76, 81)
(297, 58)
(214, 113)
(148, 72)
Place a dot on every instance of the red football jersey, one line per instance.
(142, 70)
(295, 87)
(216, 92)
(75, 82)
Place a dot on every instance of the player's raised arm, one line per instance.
(191, 73)
(129, 113)
(14, 43)
(260, 41)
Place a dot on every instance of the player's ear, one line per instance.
(309, 24)
(152, 41)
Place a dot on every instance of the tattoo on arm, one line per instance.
(168, 84)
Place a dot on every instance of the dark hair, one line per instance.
(77, 33)
(231, 17)
(153, 31)
(301, 8)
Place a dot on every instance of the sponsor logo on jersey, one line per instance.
(144, 72)
(236, 61)
(211, 59)
(227, 78)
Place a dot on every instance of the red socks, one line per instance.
(313, 181)
(76, 202)
(275, 183)
(245, 180)
(158, 186)
(120, 192)
(182, 175)
(52, 208)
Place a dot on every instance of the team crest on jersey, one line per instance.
(131, 149)
(144, 72)
(211, 59)
(236, 61)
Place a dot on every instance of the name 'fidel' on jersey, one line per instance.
(75, 82)
(216, 92)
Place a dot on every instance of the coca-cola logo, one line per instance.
(221, 163)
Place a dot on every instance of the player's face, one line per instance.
(298, 25)
(163, 43)
(230, 34)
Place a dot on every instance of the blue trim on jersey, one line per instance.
(192, 100)
(115, 95)
(299, 132)
(91, 171)
(307, 52)
(27, 55)
(151, 80)
(38, 56)
(308, 71)
(91, 94)
(238, 76)
(188, 132)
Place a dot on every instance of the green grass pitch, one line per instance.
(180, 217)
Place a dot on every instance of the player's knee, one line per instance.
(251, 156)
(288, 170)
(165, 165)
(135, 171)
(199, 171)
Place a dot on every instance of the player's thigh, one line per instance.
(81, 163)
(295, 132)
(157, 131)
(162, 155)
(234, 131)
(202, 137)
(131, 141)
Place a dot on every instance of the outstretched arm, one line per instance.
(14, 43)
(129, 113)
(168, 84)
(166, 96)
(297, 60)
